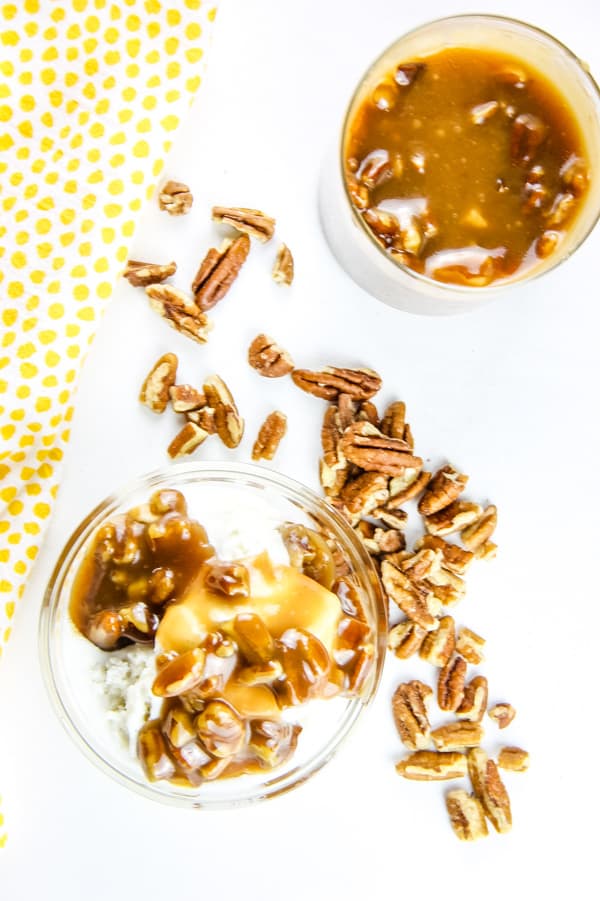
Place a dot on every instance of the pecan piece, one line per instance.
(452, 518)
(268, 358)
(185, 398)
(394, 420)
(364, 445)
(179, 311)
(415, 601)
(428, 766)
(155, 390)
(475, 698)
(368, 413)
(515, 759)
(283, 268)
(446, 585)
(140, 274)
(490, 789)
(187, 440)
(421, 565)
(486, 551)
(455, 736)
(204, 417)
(331, 437)
(361, 495)
(407, 485)
(269, 436)
(405, 639)
(475, 535)
(466, 815)
(456, 559)
(175, 198)
(502, 714)
(360, 384)
(446, 485)
(409, 706)
(470, 645)
(218, 271)
(251, 222)
(229, 425)
(388, 541)
(451, 684)
(396, 519)
(438, 646)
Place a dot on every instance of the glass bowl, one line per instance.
(353, 244)
(252, 499)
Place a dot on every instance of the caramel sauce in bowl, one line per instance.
(469, 162)
(213, 594)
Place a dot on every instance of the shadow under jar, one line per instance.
(468, 162)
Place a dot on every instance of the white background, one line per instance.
(510, 393)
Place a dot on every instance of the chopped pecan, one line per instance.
(502, 714)
(408, 484)
(393, 421)
(446, 485)
(490, 789)
(185, 398)
(452, 518)
(268, 358)
(155, 390)
(475, 535)
(332, 480)
(395, 519)
(486, 551)
(466, 815)
(228, 423)
(251, 222)
(360, 384)
(470, 645)
(179, 311)
(409, 706)
(175, 198)
(205, 418)
(475, 698)
(438, 646)
(362, 494)
(218, 271)
(388, 541)
(405, 639)
(283, 268)
(428, 766)
(141, 274)
(451, 684)
(367, 447)
(269, 436)
(421, 565)
(415, 601)
(446, 585)
(455, 558)
(455, 736)
(515, 759)
(187, 440)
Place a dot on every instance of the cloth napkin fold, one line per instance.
(91, 93)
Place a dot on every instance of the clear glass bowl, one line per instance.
(66, 655)
(353, 244)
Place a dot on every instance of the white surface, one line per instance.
(509, 393)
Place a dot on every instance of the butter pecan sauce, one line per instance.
(467, 165)
(237, 641)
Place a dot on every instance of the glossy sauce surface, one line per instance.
(467, 165)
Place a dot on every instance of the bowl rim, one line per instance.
(228, 472)
(462, 292)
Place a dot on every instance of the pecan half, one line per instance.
(283, 268)
(515, 759)
(405, 639)
(455, 736)
(451, 684)
(475, 698)
(361, 495)
(175, 198)
(218, 271)
(452, 518)
(360, 384)
(466, 815)
(368, 412)
(415, 601)
(476, 535)
(141, 274)
(155, 390)
(446, 485)
(367, 447)
(251, 222)
(185, 398)
(490, 789)
(470, 645)
(502, 714)
(179, 311)
(268, 358)
(428, 766)
(228, 423)
(269, 436)
(456, 559)
(409, 706)
(438, 646)
(394, 420)
(187, 440)
(331, 438)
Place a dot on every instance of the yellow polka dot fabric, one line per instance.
(91, 92)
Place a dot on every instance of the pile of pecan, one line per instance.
(369, 471)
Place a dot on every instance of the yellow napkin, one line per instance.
(91, 92)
